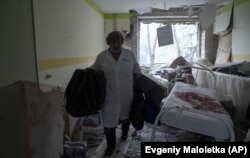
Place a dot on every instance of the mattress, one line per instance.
(237, 87)
(196, 109)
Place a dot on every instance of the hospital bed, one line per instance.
(236, 86)
(196, 109)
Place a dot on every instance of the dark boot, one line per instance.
(125, 128)
(111, 140)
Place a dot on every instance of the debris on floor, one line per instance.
(164, 134)
(167, 134)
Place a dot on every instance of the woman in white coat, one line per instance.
(119, 66)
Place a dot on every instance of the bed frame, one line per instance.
(208, 118)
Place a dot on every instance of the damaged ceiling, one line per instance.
(145, 6)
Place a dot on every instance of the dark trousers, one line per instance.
(125, 126)
(110, 133)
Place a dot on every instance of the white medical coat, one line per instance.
(119, 88)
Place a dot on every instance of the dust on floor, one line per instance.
(170, 134)
(164, 134)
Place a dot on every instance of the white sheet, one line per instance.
(196, 109)
(237, 87)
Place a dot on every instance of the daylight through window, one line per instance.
(186, 43)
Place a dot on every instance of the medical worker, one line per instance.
(119, 66)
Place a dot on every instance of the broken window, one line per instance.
(186, 42)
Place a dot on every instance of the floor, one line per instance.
(167, 134)
(171, 134)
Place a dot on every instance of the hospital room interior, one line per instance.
(194, 54)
